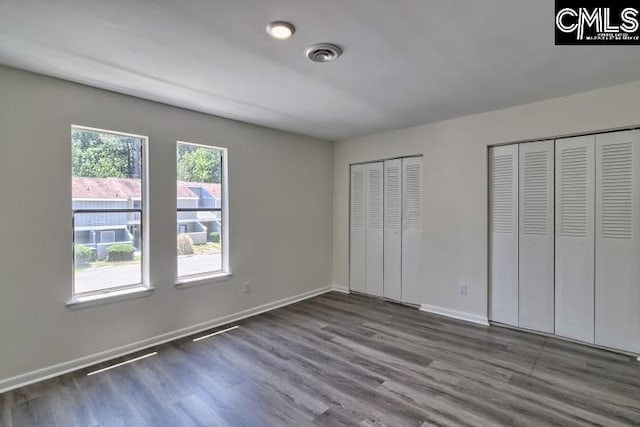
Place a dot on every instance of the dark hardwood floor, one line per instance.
(345, 360)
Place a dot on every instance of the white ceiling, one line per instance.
(406, 62)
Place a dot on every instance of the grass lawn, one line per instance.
(104, 263)
(206, 249)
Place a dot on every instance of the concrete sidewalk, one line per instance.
(115, 275)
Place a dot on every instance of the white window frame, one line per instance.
(225, 272)
(129, 290)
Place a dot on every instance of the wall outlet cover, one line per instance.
(462, 289)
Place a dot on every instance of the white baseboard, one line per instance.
(83, 362)
(341, 289)
(460, 315)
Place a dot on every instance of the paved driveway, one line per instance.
(118, 275)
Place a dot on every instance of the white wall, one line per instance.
(280, 211)
(455, 182)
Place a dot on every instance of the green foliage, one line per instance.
(185, 244)
(84, 255)
(214, 236)
(120, 252)
(102, 155)
(198, 164)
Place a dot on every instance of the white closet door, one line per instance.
(412, 230)
(504, 234)
(575, 211)
(357, 238)
(536, 237)
(393, 229)
(617, 322)
(374, 229)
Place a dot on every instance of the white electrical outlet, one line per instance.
(247, 287)
(462, 289)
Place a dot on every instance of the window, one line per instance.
(201, 210)
(108, 210)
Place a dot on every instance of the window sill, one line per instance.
(188, 282)
(79, 302)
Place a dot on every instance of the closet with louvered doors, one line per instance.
(617, 241)
(575, 237)
(374, 247)
(503, 263)
(386, 229)
(535, 236)
(412, 261)
(574, 272)
(366, 229)
(393, 229)
(357, 232)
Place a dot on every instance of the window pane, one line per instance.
(107, 251)
(199, 189)
(103, 155)
(199, 176)
(199, 242)
(107, 175)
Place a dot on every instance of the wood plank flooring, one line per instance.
(345, 360)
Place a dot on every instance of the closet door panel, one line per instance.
(357, 238)
(617, 284)
(503, 172)
(412, 230)
(374, 229)
(536, 236)
(575, 211)
(393, 229)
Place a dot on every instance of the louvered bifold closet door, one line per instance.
(393, 229)
(575, 212)
(617, 322)
(374, 229)
(412, 208)
(357, 238)
(536, 223)
(503, 173)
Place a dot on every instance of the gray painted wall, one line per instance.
(455, 182)
(280, 211)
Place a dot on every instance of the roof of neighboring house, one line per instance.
(214, 189)
(126, 188)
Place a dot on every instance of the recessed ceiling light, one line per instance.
(280, 30)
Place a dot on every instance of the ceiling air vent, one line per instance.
(323, 52)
